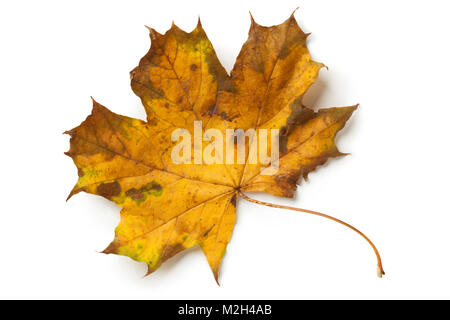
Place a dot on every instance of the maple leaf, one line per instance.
(169, 207)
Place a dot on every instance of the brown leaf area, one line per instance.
(168, 207)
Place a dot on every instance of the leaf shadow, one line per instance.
(169, 266)
(312, 97)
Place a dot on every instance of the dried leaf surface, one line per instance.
(168, 207)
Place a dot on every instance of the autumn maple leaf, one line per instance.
(169, 207)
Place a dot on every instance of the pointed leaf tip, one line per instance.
(252, 21)
(70, 195)
(111, 248)
(216, 277)
(150, 270)
(95, 103)
(153, 33)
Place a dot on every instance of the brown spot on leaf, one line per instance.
(156, 187)
(193, 67)
(153, 122)
(225, 117)
(207, 231)
(109, 190)
(233, 200)
(170, 251)
(288, 181)
(299, 115)
(210, 111)
(134, 194)
(141, 193)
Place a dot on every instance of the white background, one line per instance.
(392, 57)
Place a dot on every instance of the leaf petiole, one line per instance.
(380, 271)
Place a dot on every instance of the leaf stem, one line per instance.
(380, 271)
